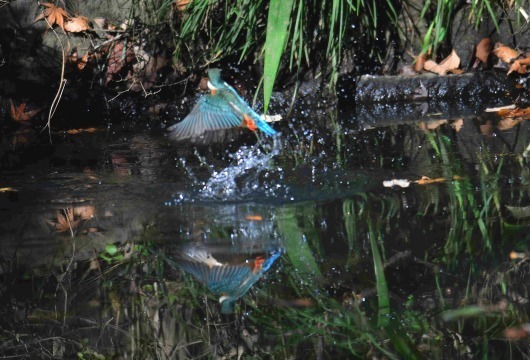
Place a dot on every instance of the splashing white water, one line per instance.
(245, 176)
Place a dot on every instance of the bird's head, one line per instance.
(214, 79)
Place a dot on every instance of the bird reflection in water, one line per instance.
(227, 272)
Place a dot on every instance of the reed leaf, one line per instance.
(277, 31)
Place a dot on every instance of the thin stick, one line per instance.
(62, 84)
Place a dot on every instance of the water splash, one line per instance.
(248, 174)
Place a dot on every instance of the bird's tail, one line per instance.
(262, 124)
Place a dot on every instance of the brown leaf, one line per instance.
(82, 62)
(64, 221)
(254, 217)
(18, 113)
(181, 5)
(53, 14)
(521, 114)
(84, 212)
(77, 131)
(505, 53)
(77, 24)
(450, 63)
(483, 50)
(420, 61)
(520, 66)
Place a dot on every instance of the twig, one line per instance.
(62, 83)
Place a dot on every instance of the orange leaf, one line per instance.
(450, 63)
(420, 61)
(77, 131)
(53, 14)
(523, 114)
(505, 53)
(77, 24)
(18, 113)
(483, 50)
(181, 5)
(82, 62)
(254, 217)
(519, 66)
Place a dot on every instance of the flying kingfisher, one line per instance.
(227, 275)
(222, 109)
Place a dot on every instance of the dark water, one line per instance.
(122, 245)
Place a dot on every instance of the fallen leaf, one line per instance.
(483, 50)
(53, 14)
(181, 5)
(254, 217)
(104, 24)
(18, 113)
(84, 212)
(449, 63)
(522, 114)
(7, 189)
(505, 53)
(426, 180)
(79, 62)
(457, 124)
(420, 62)
(77, 24)
(83, 61)
(88, 130)
(518, 255)
(495, 109)
(519, 66)
(64, 221)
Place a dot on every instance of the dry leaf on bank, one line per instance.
(77, 24)
(505, 53)
(521, 114)
(483, 50)
(496, 109)
(53, 14)
(18, 113)
(420, 62)
(79, 62)
(520, 66)
(450, 63)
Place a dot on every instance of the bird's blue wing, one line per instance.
(228, 278)
(260, 123)
(210, 114)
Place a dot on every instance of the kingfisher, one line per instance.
(228, 278)
(222, 109)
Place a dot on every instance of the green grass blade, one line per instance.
(382, 288)
(277, 31)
